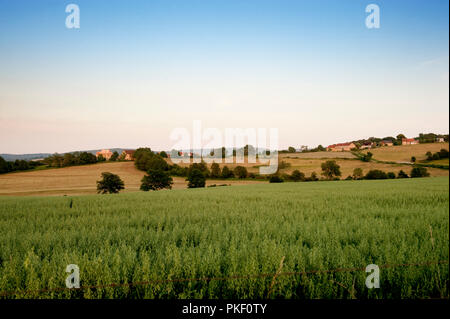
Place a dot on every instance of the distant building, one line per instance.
(366, 145)
(128, 155)
(105, 153)
(440, 139)
(341, 147)
(409, 141)
(386, 143)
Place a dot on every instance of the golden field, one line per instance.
(78, 180)
(403, 153)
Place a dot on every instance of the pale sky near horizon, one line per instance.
(136, 70)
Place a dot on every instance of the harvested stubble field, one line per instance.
(220, 232)
(79, 180)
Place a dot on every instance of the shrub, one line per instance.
(413, 159)
(240, 172)
(226, 172)
(297, 176)
(156, 180)
(196, 178)
(349, 178)
(436, 156)
(275, 179)
(419, 172)
(443, 153)
(215, 170)
(110, 183)
(391, 175)
(402, 174)
(313, 177)
(376, 174)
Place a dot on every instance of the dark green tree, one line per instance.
(156, 180)
(226, 172)
(114, 156)
(330, 169)
(110, 183)
(402, 174)
(419, 172)
(163, 154)
(215, 170)
(376, 174)
(156, 162)
(240, 172)
(4, 167)
(275, 179)
(196, 179)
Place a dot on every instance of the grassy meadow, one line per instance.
(228, 231)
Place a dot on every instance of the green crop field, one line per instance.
(242, 231)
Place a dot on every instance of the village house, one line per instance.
(409, 141)
(366, 145)
(128, 155)
(341, 147)
(387, 143)
(440, 139)
(105, 153)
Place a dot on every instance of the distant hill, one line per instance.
(29, 157)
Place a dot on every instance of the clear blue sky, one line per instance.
(135, 70)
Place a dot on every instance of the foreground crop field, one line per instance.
(232, 231)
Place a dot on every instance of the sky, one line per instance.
(136, 70)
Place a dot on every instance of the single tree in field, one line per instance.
(240, 172)
(156, 180)
(196, 178)
(114, 156)
(215, 170)
(291, 149)
(110, 183)
(330, 170)
(413, 159)
(358, 173)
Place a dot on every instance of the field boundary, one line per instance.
(234, 277)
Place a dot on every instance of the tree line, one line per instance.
(17, 165)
